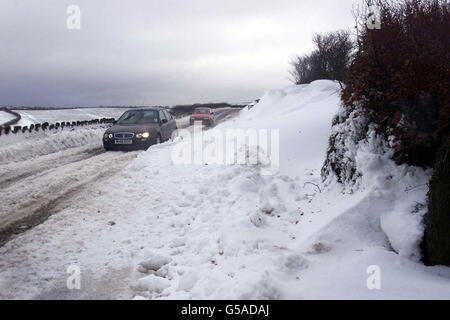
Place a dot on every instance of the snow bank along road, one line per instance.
(159, 230)
(40, 174)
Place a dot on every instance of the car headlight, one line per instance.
(108, 135)
(143, 135)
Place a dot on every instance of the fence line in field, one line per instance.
(8, 129)
(16, 119)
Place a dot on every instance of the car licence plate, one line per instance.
(123, 141)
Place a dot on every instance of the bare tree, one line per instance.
(329, 60)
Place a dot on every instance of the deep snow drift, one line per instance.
(237, 234)
(161, 230)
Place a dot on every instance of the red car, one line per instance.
(205, 115)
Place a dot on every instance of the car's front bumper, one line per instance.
(137, 144)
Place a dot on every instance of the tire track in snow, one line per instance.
(31, 190)
(12, 173)
(29, 201)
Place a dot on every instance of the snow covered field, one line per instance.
(159, 230)
(5, 117)
(58, 115)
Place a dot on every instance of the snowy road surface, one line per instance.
(220, 115)
(48, 173)
(57, 115)
(36, 182)
(160, 230)
(34, 189)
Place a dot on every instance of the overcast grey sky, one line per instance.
(148, 52)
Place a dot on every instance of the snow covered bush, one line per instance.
(361, 159)
(400, 71)
(396, 102)
(349, 128)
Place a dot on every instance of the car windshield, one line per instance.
(138, 117)
(202, 111)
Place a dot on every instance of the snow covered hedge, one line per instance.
(397, 92)
(362, 160)
(349, 128)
